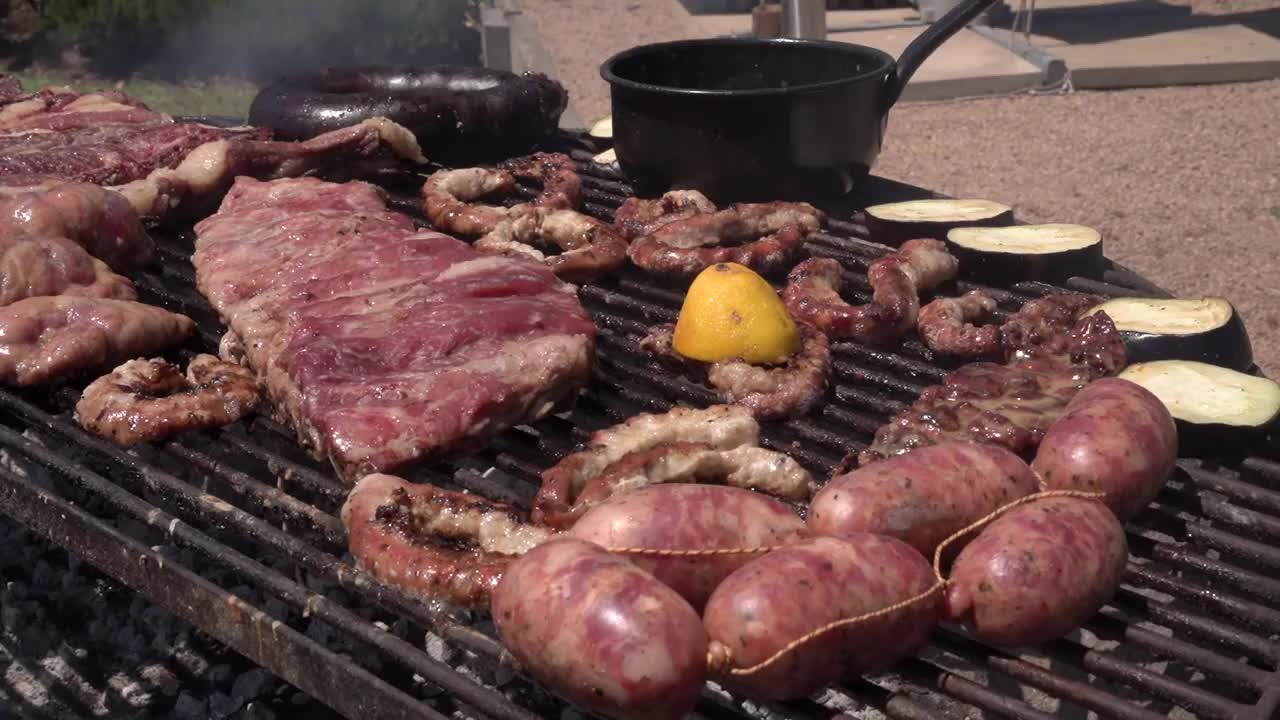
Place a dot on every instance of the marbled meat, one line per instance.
(105, 138)
(379, 343)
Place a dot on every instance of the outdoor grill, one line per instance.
(1192, 633)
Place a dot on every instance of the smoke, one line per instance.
(260, 41)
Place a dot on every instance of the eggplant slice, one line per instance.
(603, 128)
(1215, 408)
(608, 157)
(895, 223)
(1027, 252)
(1207, 330)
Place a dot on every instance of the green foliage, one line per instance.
(261, 40)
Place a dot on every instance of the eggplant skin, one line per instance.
(459, 114)
(1227, 346)
(1012, 267)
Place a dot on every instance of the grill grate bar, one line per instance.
(1082, 693)
(1255, 584)
(1161, 685)
(1222, 541)
(269, 498)
(1220, 665)
(1255, 615)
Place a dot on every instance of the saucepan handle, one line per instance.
(928, 41)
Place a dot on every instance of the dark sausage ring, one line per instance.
(461, 115)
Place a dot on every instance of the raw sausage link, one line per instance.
(1038, 571)
(787, 594)
(924, 496)
(1115, 437)
(601, 632)
(690, 517)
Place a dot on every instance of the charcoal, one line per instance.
(43, 576)
(157, 620)
(251, 685)
(258, 711)
(10, 617)
(219, 675)
(221, 706)
(160, 678)
(320, 631)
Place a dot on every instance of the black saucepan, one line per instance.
(752, 119)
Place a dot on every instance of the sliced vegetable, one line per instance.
(608, 157)
(1205, 329)
(1213, 406)
(1027, 252)
(731, 312)
(894, 223)
(603, 127)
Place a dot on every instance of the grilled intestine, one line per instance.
(434, 542)
(813, 292)
(715, 445)
(786, 390)
(760, 236)
(950, 325)
(588, 247)
(1050, 354)
(145, 400)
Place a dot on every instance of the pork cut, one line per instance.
(42, 338)
(32, 266)
(100, 221)
(379, 343)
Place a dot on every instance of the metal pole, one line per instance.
(804, 19)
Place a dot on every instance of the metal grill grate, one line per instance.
(1192, 632)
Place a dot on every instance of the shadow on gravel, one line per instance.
(1087, 24)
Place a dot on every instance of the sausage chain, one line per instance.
(719, 659)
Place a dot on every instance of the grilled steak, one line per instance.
(162, 166)
(61, 108)
(379, 343)
(111, 154)
(105, 138)
(46, 337)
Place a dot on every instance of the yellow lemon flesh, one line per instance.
(731, 312)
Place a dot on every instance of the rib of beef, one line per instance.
(161, 166)
(379, 343)
(105, 138)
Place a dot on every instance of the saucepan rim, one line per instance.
(886, 65)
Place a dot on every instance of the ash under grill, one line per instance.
(1192, 633)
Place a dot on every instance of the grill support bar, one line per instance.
(319, 672)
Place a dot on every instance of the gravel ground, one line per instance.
(1184, 182)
